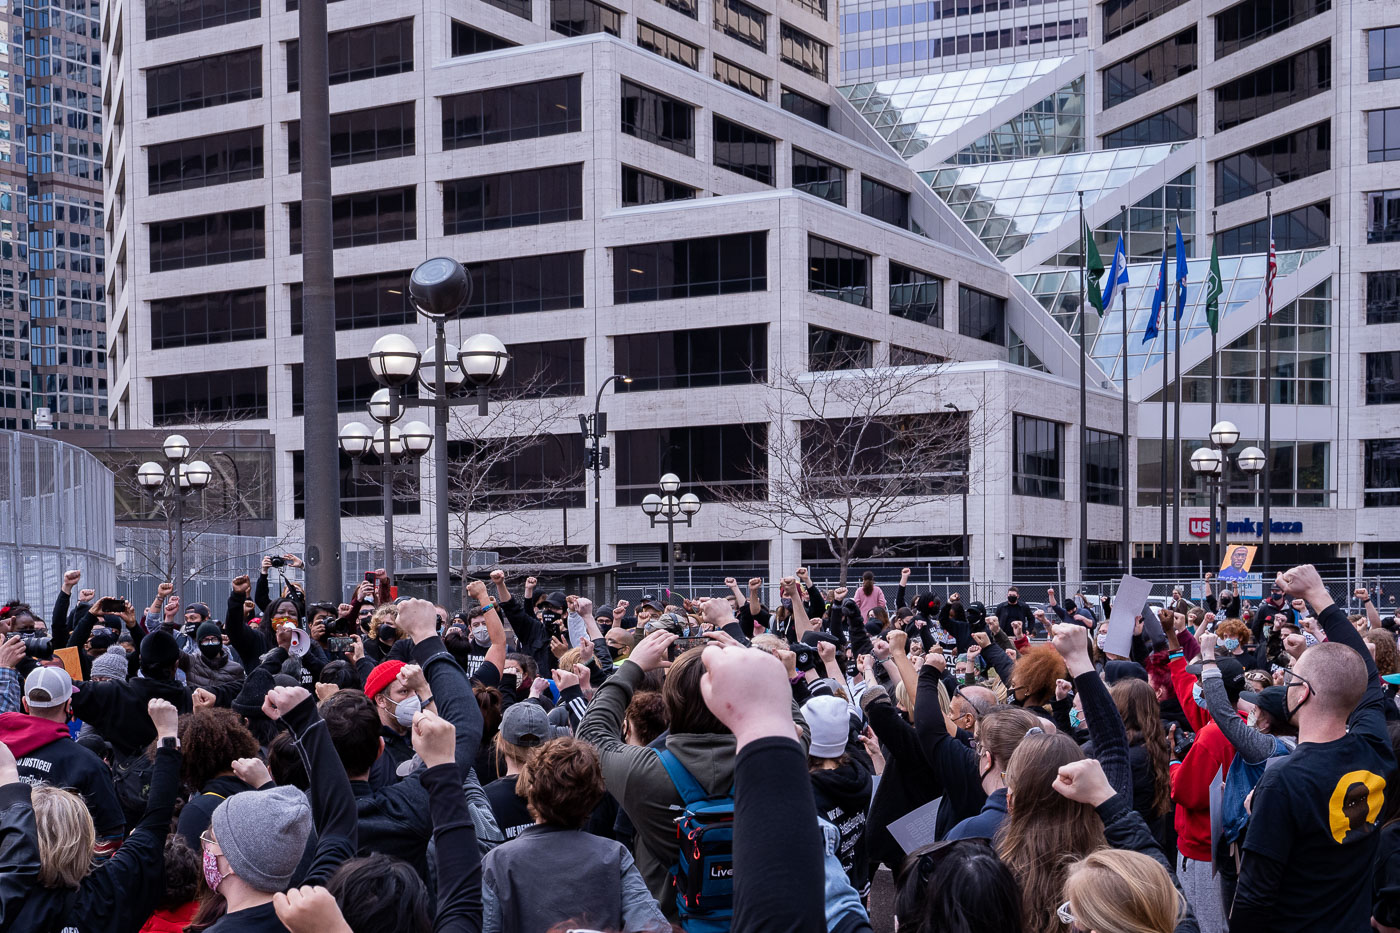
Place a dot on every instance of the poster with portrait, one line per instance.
(1238, 559)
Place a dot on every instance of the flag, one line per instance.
(1180, 274)
(1094, 265)
(1214, 289)
(1159, 298)
(1270, 275)
(1117, 274)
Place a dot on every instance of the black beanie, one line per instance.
(208, 630)
(159, 651)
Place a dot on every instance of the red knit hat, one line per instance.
(381, 677)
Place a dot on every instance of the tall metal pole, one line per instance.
(1167, 465)
(1176, 424)
(1214, 395)
(1083, 399)
(179, 535)
(1126, 460)
(1224, 507)
(386, 476)
(1268, 396)
(320, 421)
(670, 551)
(597, 494)
(441, 409)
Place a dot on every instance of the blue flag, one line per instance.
(1117, 274)
(1180, 273)
(1159, 298)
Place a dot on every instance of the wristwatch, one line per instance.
(170, 741)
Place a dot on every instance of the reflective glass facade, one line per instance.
(1054, 126)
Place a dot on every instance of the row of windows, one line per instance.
(817, 176)
(525, 284)
(468, 40)
(1152, 67)
(361, 136)
(744, 151)
(1382, 473)
(829, 350)
(802, 51)
(674, 48)
(1246, 23)
(1120, 16)
(844, 273)
(1383, 378)
(233, 236)
(504, 114)
(1383, 216)
(172, 17)
(227, 395)
(1383, 297)
(690, 359)
(377, 300)
(1383, 135)
(1277, 162)
(365, 218)
(222, 317)
(742, 21)
(640, 187)
(205, 161)
(716, 460)
(204, 82)
(726, 72)
(1273, 87)
(1302, 228)
(1383, 53)
(657, 118)
(553, 194)
(716, 265)
(1037, 453)
(360, 53)
(1175, 124)
(583, 17)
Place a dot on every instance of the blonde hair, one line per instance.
(66, 836)
(1118, 891)
(568, 659)
(387, 611)
(769, 643)
(518, 754)
(901, 696)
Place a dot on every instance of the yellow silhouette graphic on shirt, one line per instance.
(1356, 805)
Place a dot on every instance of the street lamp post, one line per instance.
(595, 428)
(179, 481)
(1212, 464)
(388, 442)
(670, 510)
(439, 289)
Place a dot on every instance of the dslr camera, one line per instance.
(276, 561)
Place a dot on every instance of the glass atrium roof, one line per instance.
(1242, 277)
(912, 113)
(1009, 204)
(1053, 126)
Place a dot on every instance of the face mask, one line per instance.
(1198, 696)
(211, 650)
(1253, 719)
(1012, 599)
(481, 636)
(1101, 640)
(1076, 718)
(549, 616)
(1231, 644)
(279, 621)
(969, 679)
(212, 876)
(386, 632)
(405, 710)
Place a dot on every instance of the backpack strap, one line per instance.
(686, 785)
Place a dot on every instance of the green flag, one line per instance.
(1095, 270)
(1214, 288)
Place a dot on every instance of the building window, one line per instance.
(692, 359)
(714, 265)
(508, 474)
(204, 82)
(1382, 473)
(713, 461)
(1246, 23)
(744, 151)
(520, 111)
(234, 236)
(640, 187)
(354, 386)
(831, 349)
(656, 118)
(1383, 216)
(468, 40)
(884, 203)
(1383, 378)
(1038, 458)
(806, 108)
(1384, 53)
(981, 315)
(361, 136)
(524, 284)
(838, 271)
(1383, 135)
(1298, 476)
(1104, 456)
(377, 300)
(1035, 559)
(581, 17)
(360, 493)
(1273, 87)
(220, 317)
(1120, 16)
(1277, 162)
(907, 356)
(205, 161)
(520, 8)
(884, 455)
(668, 46)
(916, 296)
(1152, 67)
(224, 395)
(819, 177)
(801, 51)
(1383, 297)
(742, 21)
(361, 53)
(549, 195)
(366, 218)
(1173, 125)
(172, 17)
(687, 7)
(813, 6)
(548, 369)
(747, 81)
(1303, 228)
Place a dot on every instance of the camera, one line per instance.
(277, 561)
(340, 644)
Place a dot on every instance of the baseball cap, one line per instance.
(1231, 671)
(381, 677)
(558, 599)
(653, 601)
(47, 687)
(1272, 700)
(526, 725)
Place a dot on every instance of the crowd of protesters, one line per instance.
(534, 762)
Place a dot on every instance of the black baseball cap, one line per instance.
(1272, 700)
(557, 599)
(1231, 670)
(652, 601)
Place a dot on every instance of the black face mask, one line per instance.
(1012, 599)
(211, 651)
(549, 616)
(386, 632)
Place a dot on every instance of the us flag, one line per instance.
(1269, 275)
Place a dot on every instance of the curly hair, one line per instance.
(183, 872)
(1387, 654)
(1233, 628)
(210, 739)
(1035, 673)
(562, 783)
(647, 716)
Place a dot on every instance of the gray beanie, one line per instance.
(111, 663)
(263, 835)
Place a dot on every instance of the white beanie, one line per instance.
(829, 719)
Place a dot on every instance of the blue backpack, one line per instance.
(703, 876)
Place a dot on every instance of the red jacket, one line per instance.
(171, 921)
(1191, 778)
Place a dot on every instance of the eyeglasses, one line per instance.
(1067, 917)
(1291, 677)
(209, 840)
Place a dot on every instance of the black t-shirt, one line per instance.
(65, 763)
(260, 919)
(512, 814)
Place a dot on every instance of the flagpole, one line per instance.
(1268, 388)
(1127, 482)
(1176, 411)
(1166, 456)
(1214, 390)
(1083, 402)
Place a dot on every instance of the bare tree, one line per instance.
(852, 450)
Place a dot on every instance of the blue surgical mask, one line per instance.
(1076, 718)
(1198, 696)
(1231, 644)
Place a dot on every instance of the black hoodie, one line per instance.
(843, 797)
